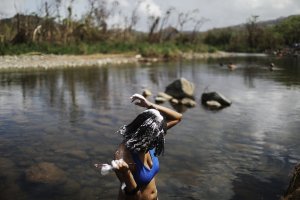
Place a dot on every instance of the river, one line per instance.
(69, 117)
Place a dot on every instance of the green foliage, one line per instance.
(255, 37)
(289, 29)
(166, 50)
(82, 37)
(163, 50)
(51, 34)
(219, 38)
(270, 39)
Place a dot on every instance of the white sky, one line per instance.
(219, 12)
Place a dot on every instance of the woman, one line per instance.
(136, 162)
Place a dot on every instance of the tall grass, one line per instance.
(162, 50)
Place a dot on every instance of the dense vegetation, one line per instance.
(94, 32)
(255, 36)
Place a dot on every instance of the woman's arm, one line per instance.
(172, 116)
(123, 172)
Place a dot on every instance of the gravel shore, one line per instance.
(58, 61)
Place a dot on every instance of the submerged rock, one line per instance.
(47, 173)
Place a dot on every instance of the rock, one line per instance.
(148, 61)
(44, 172)
(188, 102)
(160, 100)
(215, 96)
(293, 191)
(180, 89)
(174, 101)
(165, 96)
(138, 56)
(213, 104)
(146, 93)
(231, 66)
(271, 66)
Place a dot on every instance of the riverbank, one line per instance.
(57, 61)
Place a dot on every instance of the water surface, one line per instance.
(69, 117)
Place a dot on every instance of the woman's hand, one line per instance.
(139, 100)
(120, 166)
(170, 115)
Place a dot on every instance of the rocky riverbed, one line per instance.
(55, 61)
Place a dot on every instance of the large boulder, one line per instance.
(215, 97)
(181, 88)
(45, 173)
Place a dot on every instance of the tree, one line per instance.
(154, 22)
(57, 6)
(219, 37)
(134, 17)
(290, 29)
(164, 22)
(253, 31)
(182, 19)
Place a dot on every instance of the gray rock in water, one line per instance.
(216, 97)
(181, 88)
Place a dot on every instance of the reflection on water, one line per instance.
(68, 117)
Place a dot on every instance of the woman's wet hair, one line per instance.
(145, 132)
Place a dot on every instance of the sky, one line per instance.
(218, 13)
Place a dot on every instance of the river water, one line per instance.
(68, 117)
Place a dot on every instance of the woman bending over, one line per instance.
(136, 159)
